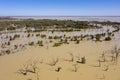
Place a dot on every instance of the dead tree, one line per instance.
(37, 76)
(78, 58)
(28, 68)
(41, 61)
(75, 68)
(103, 57)
(99, 63)
(112, 56)
(58, 69)
(54, 61)
(83, 60)
(71, 58)
(100, 77)
(33, 66)
(24, 70)
(106, 67)
(115, 52)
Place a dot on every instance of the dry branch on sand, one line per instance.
(102, 57)
(28, 68)
(71, 58)
(83, 60)
(100, 76)
(33, 66)
(115, 53)
(41, 61)
(24, 70)
(75, 68)
(53, 62)
(58, 69)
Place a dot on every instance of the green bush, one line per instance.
(65, 41)
(40, 43)
(31, 43)
(43, 36)
(50, 41)
(83, 60)
(108, 38)
(57, 44)
(77, 42)
(92, 37)
(98, 37)
(50, 37)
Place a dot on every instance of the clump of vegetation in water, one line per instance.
(97, 37)
(43, 36)
(75, 39)
(28, 35)
(50, 41)
(78, 41)
(66, 41)
(50, 37)
(108, 38)
(56, 37)
(92, 37)
(31, 43)
(57, 44)
(40, 43)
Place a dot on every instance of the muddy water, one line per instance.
(10, 64)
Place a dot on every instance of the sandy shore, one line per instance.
(10, 64)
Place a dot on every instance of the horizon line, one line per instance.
(59, 16)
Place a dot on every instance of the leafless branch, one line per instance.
(54, 61)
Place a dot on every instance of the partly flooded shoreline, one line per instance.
(90, 53)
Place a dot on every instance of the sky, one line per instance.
(59, 7)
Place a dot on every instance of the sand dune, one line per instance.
(10, 64)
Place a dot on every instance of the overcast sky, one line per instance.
(59, 7)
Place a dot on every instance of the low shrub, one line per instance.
(107, 38)
(57, 44)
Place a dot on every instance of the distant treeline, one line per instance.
(107, 23)
(57, 24)
(7, 18)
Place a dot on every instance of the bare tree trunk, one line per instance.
(37, 76)
(99, 63)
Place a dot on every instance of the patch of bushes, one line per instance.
(98, 37)
(108, 38)
(31, 43)
(43, 36)
(66, 41)
(40, 43)
(37, 35)
(57, 44)
(83, 60)
(50, 37)
(77, 42)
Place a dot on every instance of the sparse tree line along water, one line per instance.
(18, 35)
(54, 24)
